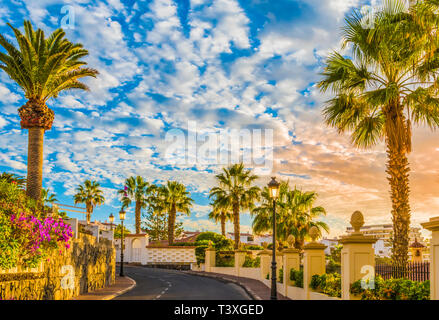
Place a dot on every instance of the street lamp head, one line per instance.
(111, 217)
(273, 188)
(122, 215)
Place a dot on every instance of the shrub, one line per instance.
(183, 244)
(209, 236)
(329, 284)
(252, 263)
(281, 275)
(296, 276)
(225, 259)
(200, 252)
(26, 232)
(393, 289)
(219, 241)
(254, 247)
(202, 243)
(333, 267)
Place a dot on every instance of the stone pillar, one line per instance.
(279, 264)
(265, 263)
(239, 260)
(357, 256)
(314, 260)
(291, 261)
(210, 259)
(433, 226)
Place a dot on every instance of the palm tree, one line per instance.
(174, 199)
(220, 214)
(45, 198)
(389, 84)
(135, 189)
(91, 195)
(295, 216)
(13, 178)
(236, 191)
(42, 67)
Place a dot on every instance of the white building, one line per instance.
(383, 232)
(139, 250)
(251, 239)
(246, 238)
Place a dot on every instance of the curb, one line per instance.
(120, 292)
(249, 291)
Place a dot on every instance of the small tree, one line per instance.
(156, 226)
(118, 231)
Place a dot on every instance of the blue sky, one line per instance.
(221, 63)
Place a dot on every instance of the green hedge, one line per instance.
(329, 284)
(393, 289)
(225, 259)
(252, 263)
(281, 276)
(183, 244)
(296, 276)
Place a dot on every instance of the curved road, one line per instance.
(163, 284)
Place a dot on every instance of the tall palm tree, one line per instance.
(43, 68)
(295, 214)
(175, 199)
(46, 198)
(389, 84)
(91, 195)
(236, 190)
(135, 189)
(221, 215)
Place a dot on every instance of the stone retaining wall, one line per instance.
(85, 267)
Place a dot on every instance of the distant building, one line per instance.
(260, 239)
(246, 238)
(383, 232)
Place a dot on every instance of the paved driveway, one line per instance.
(163, 284)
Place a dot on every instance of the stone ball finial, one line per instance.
(314, 233)
(290, 241)
(357, 221)
(264, 245)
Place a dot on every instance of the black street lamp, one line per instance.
(273, 188)
(122, 247)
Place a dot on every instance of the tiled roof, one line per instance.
(416, 244)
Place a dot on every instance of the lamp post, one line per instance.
(273, 188)
(122, 247)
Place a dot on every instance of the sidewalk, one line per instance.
(122, 285)
(255, 288)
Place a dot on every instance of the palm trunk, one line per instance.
(137, 217)
(171, 225)
(35, 163)
(223, 224)
(89, 210)
(398, 177)
(298, 244)
(236, 225)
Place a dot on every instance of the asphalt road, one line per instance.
(162, 284)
